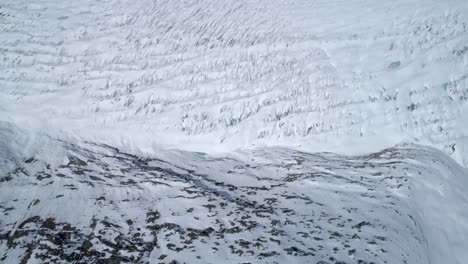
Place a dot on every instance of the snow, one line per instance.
(266, 205)
(129, 129)
(345, 76)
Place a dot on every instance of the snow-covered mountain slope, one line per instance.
(94, 204)
(344, 76)
(94, 94)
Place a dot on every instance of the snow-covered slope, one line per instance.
(345, 76)
(406, 204)
(154, 130)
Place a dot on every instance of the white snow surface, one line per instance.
(220, 105)
(214, 76)
(406, 204)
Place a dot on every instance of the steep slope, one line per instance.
(346, 76)
(97, 205)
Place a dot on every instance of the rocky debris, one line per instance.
(104, 206)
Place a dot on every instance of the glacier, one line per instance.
(350, 77)
(248, 131)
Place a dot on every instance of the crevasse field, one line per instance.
(250, 131)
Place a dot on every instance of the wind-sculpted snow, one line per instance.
(97, 205)
(346, 76)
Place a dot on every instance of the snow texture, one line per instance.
(196, 131)
(406, 204)
(214, 76)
